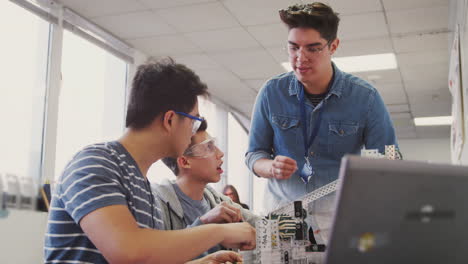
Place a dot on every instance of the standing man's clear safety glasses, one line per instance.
(309, 51)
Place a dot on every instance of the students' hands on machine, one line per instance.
(219, 257)
(222, 213)
(238, 235)
(282, 167)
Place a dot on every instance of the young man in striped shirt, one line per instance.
(103, 209)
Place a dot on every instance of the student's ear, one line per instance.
(168, 120)
(183, 162)
(334, 46)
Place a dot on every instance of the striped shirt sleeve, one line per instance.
(90, 182)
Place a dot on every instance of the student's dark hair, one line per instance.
(318, 16)
(171, 163)
(160, 86)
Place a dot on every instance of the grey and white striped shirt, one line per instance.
(100, 175)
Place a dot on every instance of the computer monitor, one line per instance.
(392, 211)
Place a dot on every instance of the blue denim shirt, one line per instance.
(354, 116)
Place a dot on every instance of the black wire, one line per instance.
(170, 215)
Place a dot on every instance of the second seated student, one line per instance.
(306, 120)
(188, 201)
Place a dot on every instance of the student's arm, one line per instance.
(379, 130)
(260, 135)
(219, 257)
(222, 213)
(280, 168)
(115, 233)
(246, 215)
(250, 217)
(258, 157)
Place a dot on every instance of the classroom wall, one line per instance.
(22, 237)
(434, 150)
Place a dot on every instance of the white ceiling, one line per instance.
(235, 45)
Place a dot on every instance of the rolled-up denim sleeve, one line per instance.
(379, 130)
(261, 132)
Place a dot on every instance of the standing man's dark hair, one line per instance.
(318, 16)
(160, 86)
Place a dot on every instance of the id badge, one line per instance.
(306, 172)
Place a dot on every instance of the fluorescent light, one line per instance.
(433, 121)
(287, 66)
(366, 63)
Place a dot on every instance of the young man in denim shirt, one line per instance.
(306, 120)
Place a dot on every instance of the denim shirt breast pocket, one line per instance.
(343, 138)
(286, 134)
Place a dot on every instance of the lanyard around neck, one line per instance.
(308, 141)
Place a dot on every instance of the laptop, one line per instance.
(392, 211)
